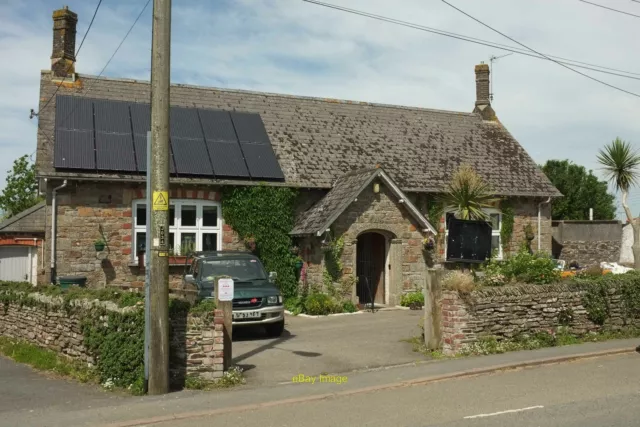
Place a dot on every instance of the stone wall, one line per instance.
(196, 342)
(587, 242)
(86, 208)
(511, 310)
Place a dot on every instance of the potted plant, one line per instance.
(250, 243)
(295, 250)
(528, 232)
(99, 244)
(429, 244)
(299, 263)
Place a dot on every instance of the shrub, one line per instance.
(318, 304)
(538, 268)
(412, 298)
(590, 272)
(295, 305)
(459, 281)
(349, 307)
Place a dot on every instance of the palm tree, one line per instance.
(620, 163)
(469, 194)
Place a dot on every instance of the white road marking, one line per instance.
(510, 411)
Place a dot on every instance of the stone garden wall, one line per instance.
(196, 342)
(512, 310)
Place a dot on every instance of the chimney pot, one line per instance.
(483, 100)
(63, 55)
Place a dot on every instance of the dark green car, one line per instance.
(256, 299)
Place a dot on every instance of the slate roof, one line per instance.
(28, 221)
(318, 140)
(320, 216)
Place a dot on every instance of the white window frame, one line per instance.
(178, 229)
(494, 233)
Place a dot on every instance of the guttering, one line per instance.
(540, 222)
(54, 208)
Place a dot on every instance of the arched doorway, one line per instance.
(371, 256)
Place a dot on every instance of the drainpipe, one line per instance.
(540, 222)
(54, 207)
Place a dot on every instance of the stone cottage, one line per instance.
(364, 171)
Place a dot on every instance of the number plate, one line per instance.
(246, 314)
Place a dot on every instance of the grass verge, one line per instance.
(46, 360)
(231, 378)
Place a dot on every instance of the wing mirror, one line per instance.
(273, 276)
(189, 278)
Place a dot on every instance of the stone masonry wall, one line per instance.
(508, 311)
(196, 346)
(588, 254)
(87, 207)
(380, 213)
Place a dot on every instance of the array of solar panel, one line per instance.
(111, 136)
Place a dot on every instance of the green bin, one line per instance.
(68, 281)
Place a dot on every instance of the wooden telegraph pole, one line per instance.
(159, 261)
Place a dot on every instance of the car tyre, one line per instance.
(274, 329)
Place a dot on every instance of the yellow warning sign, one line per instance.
(160, 201)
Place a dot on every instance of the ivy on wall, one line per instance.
(333, 261)
(506, 231)
(265, 214)
(115, 339)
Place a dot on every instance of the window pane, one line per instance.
(187, 243)
(495, 243)
(172, 245)
(495, 221)
(140, 241)
(209, 241)
(188, 216)
(141, 214)
(209, 216)
(172, 215)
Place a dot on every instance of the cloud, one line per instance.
(294, 47)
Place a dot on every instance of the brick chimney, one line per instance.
(63, 56)
(483, 97)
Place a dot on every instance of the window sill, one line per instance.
(135, 264)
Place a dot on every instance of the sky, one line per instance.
(293, 47)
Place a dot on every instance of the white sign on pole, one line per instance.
(225, 289)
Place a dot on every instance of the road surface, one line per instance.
(589, 393)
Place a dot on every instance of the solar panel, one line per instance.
(249, 127)
(114, 152)
(203, 142)
(112, 117)
(261, 161)
(217, 125)
(185, 123)
(74, 113)
(140, 144)
(227, 159)
(140, 118)
(191, 156)
(74, 150)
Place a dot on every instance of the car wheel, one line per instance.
(274, 329)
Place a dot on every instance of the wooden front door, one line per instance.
(370, 268)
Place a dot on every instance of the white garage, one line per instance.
(21, 245)
(15, 263)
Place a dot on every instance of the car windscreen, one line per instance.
(239, 269)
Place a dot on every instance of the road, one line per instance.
(588, 393)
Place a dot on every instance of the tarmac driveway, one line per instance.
(329, 345)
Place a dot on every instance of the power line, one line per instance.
(513, 49)
(111, 58)
(532, 50)
(610, 8)
(76, 56)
